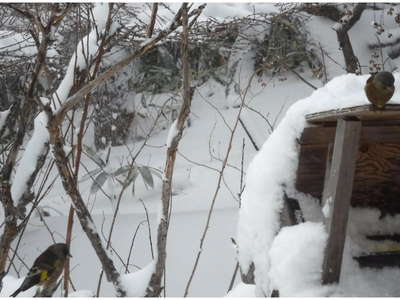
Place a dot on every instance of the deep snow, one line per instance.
(201, 150)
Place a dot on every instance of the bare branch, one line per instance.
(154, 288)
(150, 28)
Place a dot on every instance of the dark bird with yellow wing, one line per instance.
(46, 268)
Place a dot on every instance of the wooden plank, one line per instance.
(379, 260)
(372, 134)
(394, 237)
(291, 213)
(377, 178)
(363, 112)
(275, 294)
(311, 169)
(338, 194)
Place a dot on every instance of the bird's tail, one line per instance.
(16, 293)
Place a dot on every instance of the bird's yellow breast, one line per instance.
(44, 275)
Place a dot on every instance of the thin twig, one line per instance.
(233, 277)
(216, 192)
(148, 228)
(153, 17)
(131, 247)
(241, 173)
(253, 142)
(304, 80)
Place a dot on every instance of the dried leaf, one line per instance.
(93, 155)
(121, 170)
(146, 175)
(98, 182)
(132, 175)
(90, 174)
(156, 173)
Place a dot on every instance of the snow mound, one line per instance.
(137, 282)
(242, 290)
(296, 257)
(82, 293)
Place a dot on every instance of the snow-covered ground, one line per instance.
(201, 152)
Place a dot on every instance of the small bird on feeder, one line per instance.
(379, 88)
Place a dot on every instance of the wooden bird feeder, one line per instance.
(349, 157)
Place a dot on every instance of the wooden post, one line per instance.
(338, 195)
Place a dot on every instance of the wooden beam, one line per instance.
(371, 134)
(362, 112)
(338, 195)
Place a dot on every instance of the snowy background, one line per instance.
(292, 267)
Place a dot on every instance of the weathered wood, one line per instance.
(372, 134)
(275, 294)
(291, 212)
(395, 237)
(377, 178)
(379, 260)
(363, 112)
(338, 193)
(248, 278)
(311, 169)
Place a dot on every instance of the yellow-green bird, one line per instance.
(46, 268)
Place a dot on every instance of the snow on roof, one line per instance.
(274, 167)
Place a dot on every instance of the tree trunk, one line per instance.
(331, 12)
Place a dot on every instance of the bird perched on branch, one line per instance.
(46, 268)
(379, 88)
